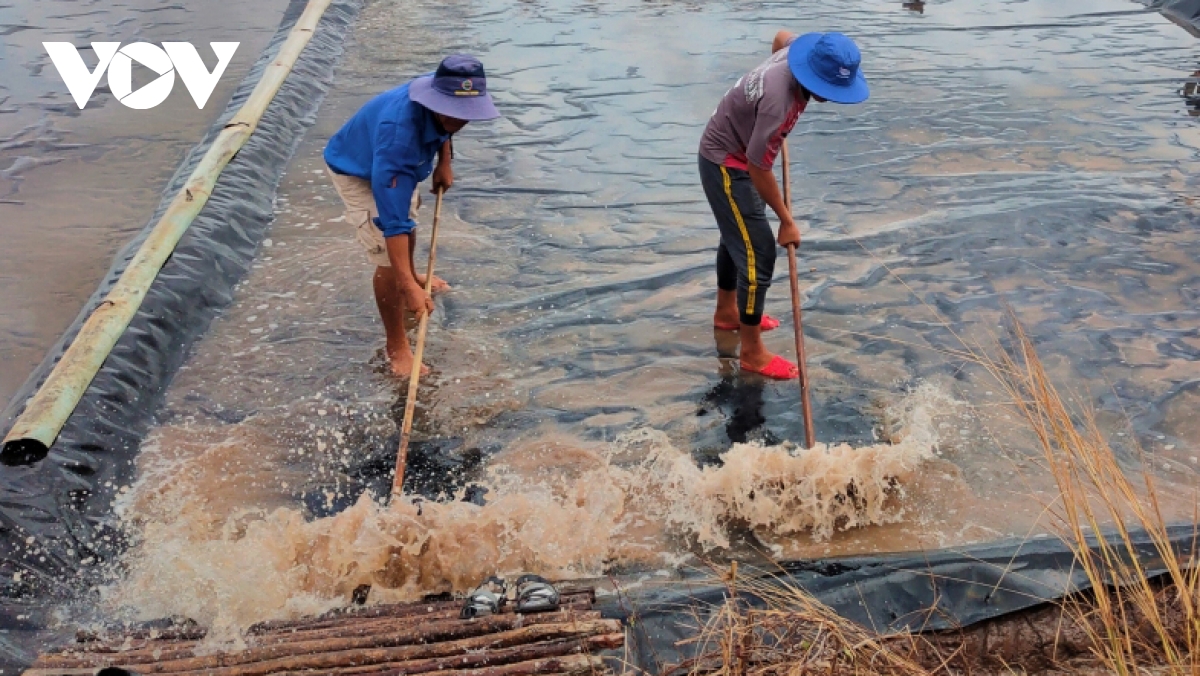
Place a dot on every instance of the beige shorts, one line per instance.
(361, 210)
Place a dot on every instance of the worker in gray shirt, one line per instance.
(737, 153)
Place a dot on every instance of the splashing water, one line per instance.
(641, 501)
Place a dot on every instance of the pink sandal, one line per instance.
(769, 323)
(779, 369)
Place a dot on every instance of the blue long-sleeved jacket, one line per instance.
(391, 142)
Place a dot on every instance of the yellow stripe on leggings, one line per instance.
(737, 216)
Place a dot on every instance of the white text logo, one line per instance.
(167, 60)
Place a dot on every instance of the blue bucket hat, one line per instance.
(458, 89)
(827, 64)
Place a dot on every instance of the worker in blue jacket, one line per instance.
(376, 161)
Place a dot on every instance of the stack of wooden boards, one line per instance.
(419, 638)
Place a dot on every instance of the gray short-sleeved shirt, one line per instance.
(749, 124)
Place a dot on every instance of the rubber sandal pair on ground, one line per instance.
(532, 594)
(778, 368)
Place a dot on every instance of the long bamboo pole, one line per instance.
(449, 640)
(38, 426)
(284, 643)
(414, 379)
(567, 665)
(801, 359)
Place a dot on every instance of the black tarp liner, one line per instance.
(927, 591)
(1186, 13)
(55, 515)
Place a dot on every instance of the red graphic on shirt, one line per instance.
(737, 161)
(776, 140)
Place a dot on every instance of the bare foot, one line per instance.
(756, 361)
(727, 317)
(439, 284)
(402, 365)
(727, 343)
(729, 320)
(754, 353)
(778, 369)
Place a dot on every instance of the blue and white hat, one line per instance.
(827, 64)
(458, 89)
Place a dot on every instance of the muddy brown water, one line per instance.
(1025, 154)
(76, 185)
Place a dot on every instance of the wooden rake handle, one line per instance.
(414, 379)
(797, 323)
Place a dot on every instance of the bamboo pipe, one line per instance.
(38, 426)
(801, 359)
(414, 378)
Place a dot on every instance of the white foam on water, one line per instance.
(640, 501)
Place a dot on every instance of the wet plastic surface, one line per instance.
(1031, 154)
(928, 592)
(55, 515)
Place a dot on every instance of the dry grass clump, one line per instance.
(795, 634)
(1141, 623)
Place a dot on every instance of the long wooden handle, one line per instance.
(410, 404)
(797, 324)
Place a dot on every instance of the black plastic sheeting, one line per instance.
(928, 591)
(56, 526)
(1186, 13)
